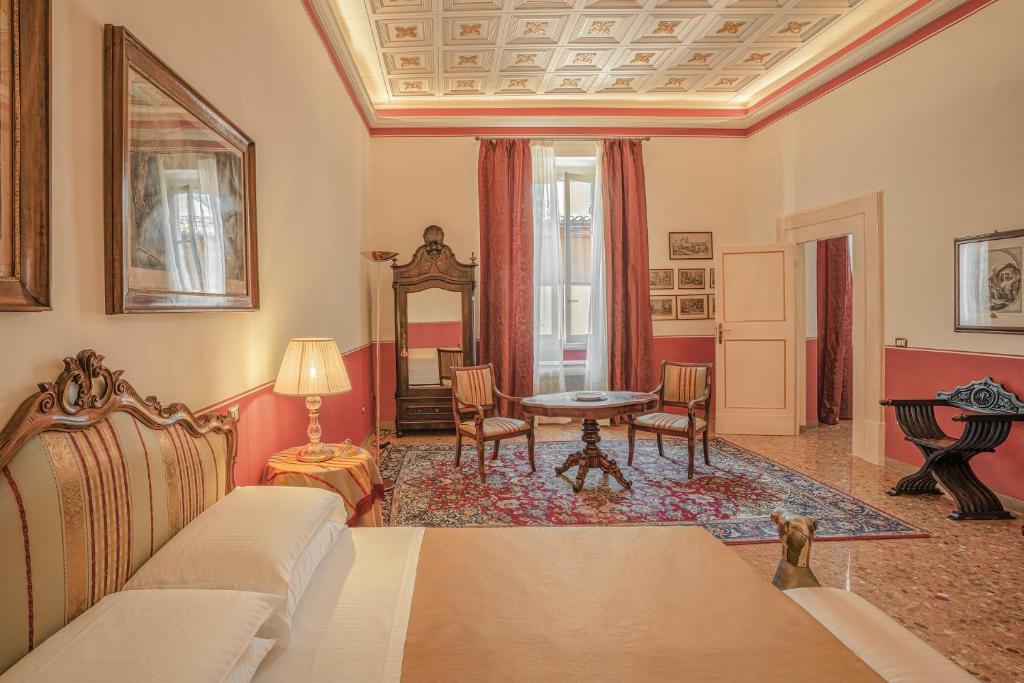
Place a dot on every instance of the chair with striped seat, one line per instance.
(474, 392)
(683, 385)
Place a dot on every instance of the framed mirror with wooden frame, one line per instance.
(180, 191)
(24, 155)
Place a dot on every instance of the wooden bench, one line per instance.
(947, 459)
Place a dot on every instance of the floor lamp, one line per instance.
(378, 257)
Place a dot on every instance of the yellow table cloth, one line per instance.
(352, 474)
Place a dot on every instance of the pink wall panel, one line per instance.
(435, 335)
(919, 373)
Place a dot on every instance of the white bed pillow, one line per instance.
(249, 661)
(265, 539)
(155, 636)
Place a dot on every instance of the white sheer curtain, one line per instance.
(548, 275)
(212, 259)
(176, 275)
(596, 377)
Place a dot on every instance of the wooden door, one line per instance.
(755, 351)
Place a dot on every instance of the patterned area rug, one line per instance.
(733, 498)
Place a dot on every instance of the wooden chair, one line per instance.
(683, 385)
(473, 391)
(947, 459)
(447, 358)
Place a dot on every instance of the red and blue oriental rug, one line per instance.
(733, 498)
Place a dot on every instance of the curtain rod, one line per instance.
(556, 137)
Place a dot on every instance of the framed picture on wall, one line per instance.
(691, 278)
(988, 294)
(711, 278)
(663, 308)
(690, 245)
(661, 278)
(180, 191)
(24, 155)
(692, 307)
(711, 305)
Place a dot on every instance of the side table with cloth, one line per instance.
(351, 473)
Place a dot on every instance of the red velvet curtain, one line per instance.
(835, 331)
(506, 262)
(630, 331)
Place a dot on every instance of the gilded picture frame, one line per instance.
(25, 155)
(180, 191)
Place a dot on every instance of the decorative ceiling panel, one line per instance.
(723, 54)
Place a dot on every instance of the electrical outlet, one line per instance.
(901, 342)
(233, 412)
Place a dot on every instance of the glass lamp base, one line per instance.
(318, 453)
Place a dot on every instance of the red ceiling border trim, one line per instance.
(925, 32)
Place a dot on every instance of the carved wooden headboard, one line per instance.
(93, 481)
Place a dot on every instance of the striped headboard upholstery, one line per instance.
(93, 481)
(683, 383)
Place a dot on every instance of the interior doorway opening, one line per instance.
(828, 331)
(860, 218)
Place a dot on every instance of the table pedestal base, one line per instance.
(592, 457)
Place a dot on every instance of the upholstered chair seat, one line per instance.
(494, 426)
(669, 422)
(686, 386)
(475, 394)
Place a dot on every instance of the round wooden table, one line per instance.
(616, 404)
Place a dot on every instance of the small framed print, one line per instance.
(692, 278)
(988, 282)
(711, 278)
(692, 307)
(661, 278)
(690, 245)
(663, 308)
(711, 305)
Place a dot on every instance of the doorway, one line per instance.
(861, 219)
(828, 332)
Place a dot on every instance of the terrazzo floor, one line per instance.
(961, 590)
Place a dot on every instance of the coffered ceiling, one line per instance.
(709, 60)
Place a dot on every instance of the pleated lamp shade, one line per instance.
(312, 367)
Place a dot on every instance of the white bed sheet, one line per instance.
(351, 622)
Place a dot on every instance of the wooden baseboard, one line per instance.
(1011, 504)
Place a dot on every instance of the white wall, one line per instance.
(693, 184)
(260, 63)
(938, 129)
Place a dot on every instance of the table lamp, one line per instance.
(312, 367)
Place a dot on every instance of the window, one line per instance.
(575, 217)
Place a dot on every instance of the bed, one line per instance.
(100, 486)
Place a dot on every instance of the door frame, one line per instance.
(862, 218)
